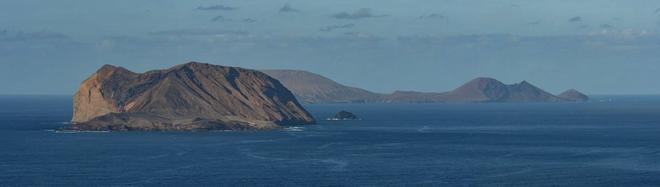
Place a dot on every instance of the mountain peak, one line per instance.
(524, 85)
(191, 64)
(482, 88)
(481, 83)
(195, 63)
(107, 69)
(484, 80)
(486, 89)
(574, 95)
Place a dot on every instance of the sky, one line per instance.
(595, 46)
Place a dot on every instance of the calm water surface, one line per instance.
(613, 141)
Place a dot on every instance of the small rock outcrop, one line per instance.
(192, 96)
(344, 115)
(574, 95)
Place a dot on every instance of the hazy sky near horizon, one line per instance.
(596, 46)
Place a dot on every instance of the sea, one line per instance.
(609, 141)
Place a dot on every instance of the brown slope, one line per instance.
(314, 88)
(185, 97)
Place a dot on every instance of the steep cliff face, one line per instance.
(91, 101)
(186, 97)
(574, 95)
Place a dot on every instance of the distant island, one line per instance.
(192, 96)
(313, 88)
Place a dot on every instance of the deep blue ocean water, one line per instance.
(612, 141)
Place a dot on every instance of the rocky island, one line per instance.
(192, 96)
(343, 115)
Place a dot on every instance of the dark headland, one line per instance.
(192, 96)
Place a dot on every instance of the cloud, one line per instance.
(197, 32)
(607, 37)
(575, 19)
(432, 16)
(534, 22)
(657, 11)
(222, 18)
(358, 14)
(363, 36)
(628, 34)
(606, 26)
(334, 27)
(32, 36)
(218, 18)
(288, 8)
(216, 7)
